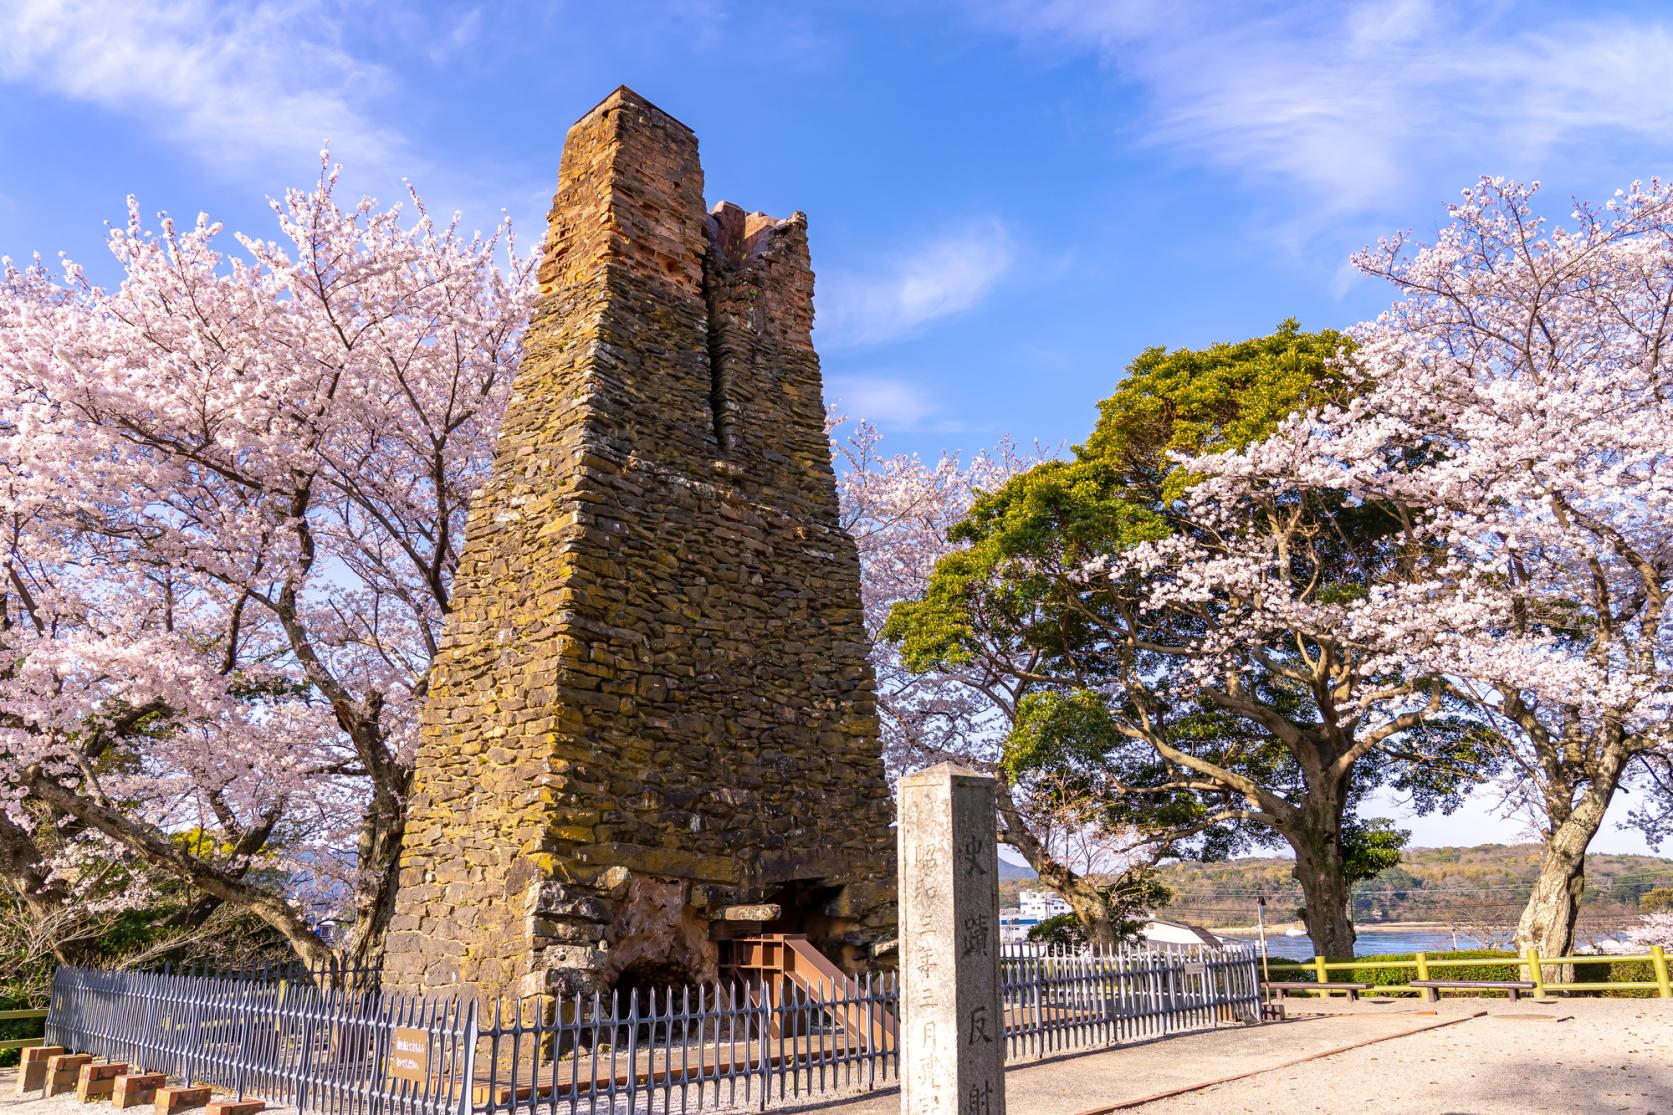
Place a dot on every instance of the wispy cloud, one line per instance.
(243, 86)
(899, 402)
(1355, 104)
(888, 401)
(945, 275)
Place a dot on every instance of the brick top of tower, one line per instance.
(622, 95)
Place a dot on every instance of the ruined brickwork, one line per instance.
(652, 702)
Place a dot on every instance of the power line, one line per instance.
(1416, 889)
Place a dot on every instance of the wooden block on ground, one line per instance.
(170, 1100)
(31, 1070)
(137, 1089)
(96, 1082)
(63, 1070)
(234, 1107)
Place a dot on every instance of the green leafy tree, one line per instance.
(1656, 900)
(1202, 694)
(1130, 900)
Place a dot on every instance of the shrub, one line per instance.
(1394, 977)
(1605, 970)
(1656, 900)
(1062, 931)
(12, 1028)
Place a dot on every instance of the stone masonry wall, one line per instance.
(652, 699)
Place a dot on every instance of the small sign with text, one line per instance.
(409, 1054)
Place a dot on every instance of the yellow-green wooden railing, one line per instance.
(22, 1043)
(1532, 964)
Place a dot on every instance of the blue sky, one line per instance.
(1007, 200)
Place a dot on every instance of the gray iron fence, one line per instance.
(1060, 1001)
(290, 1042)
(733, 1045)
(724, 1045)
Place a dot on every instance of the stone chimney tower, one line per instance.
(652, 706)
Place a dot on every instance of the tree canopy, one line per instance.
(1190, 666)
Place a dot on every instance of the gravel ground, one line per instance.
(1579, 1056)
(1588, 1055)
(1585, 1055)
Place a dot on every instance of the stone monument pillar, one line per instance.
(953, 1019)
(652, 722)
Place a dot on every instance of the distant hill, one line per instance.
(1008, 870)
(1485, 885)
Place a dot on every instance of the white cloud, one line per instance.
(1357, 104)
(242, 86)
(943, 276)
(1347, 277)
(889, 402)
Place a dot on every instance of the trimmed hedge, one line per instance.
(1394, 977)
(1604, 970)
(1601, 970)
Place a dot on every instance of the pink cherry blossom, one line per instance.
(234, 495)
(1513, 412)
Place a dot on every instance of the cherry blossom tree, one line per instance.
(1191, 666)
(1215, 680)
(1520, 393)
(899, 510)
(1652, 929)
(235, 488)
(1513, 409)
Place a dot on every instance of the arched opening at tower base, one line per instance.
(658, 940)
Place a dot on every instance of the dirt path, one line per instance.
(1594, 1055)
(1590, 1055)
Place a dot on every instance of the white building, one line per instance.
(1038, 905)
(1161, 932)
(1013, 928)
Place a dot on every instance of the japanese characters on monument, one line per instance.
(953, 1047)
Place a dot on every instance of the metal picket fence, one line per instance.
(1063, 1000)
(730, 1045)
(290, 1042)
(724, 1045)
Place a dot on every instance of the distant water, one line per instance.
(1371, 942)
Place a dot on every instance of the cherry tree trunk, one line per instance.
(382, 835)
(1091, 907)
(1090, 904)
(1321, 871)
(1548, 920)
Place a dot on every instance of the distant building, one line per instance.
(1013, 927)
(1178, 933)
(1036, 906)
(1041, 905)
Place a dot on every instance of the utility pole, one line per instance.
(1260, 921)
